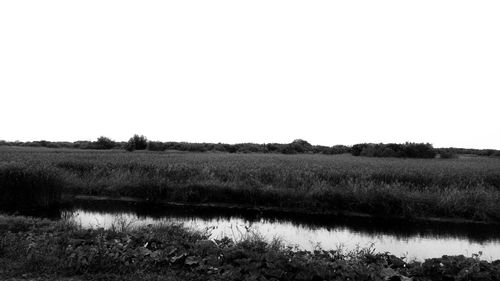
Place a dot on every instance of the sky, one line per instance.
(262, 71)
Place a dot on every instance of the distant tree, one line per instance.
(43, 143)
(339, 149)
(104, 143)
(250, 148)
(82, 144)
(388, 152)
(301, 146)
(274, 147)
(156, 146)
(358, 148)
(406, 150)
(136, 143)
(418, 150)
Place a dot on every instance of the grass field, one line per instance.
(465, 188)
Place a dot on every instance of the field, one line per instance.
(462, 188)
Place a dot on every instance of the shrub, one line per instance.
(357, 148)
(388, 152)
(250, 147)
(369, 151)
(82, 144)
(136, 143)
(418, 150)
(337, 149)
(275, 147)
(407, 150)
(301, 146)
(104, 143)
(156, 146)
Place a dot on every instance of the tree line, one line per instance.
(298, 146)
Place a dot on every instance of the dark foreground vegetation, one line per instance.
(298, 146)
(25, 186)
(460, 188)
(46, 250)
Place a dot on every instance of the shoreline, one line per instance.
(67, 198)
(58, 250)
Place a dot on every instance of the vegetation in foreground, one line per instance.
(48, 250)
(24, 186)
(464, 188)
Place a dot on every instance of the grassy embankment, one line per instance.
(44, 250)
(464, 188)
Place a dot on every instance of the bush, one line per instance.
(137, 143)
(250, 148)
(369, 151)
(156, 146)
(275, 147)
(388, 152)
(358, 148)
(418, 150)
(82, 144)
(104, 143)
(301, 146)
(407, 150)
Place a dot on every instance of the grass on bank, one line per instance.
(466, 188)
(29, 186)
(47, 249)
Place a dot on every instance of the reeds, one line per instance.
(466, 188)
(28, 186)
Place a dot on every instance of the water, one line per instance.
(402, 238)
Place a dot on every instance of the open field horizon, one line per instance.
(297, 146)
(55, 143)
(370, 121)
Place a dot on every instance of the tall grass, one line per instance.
(466, 188)
(28, 186)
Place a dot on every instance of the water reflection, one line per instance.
(413, 240)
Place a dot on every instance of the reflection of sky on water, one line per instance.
(417, 246)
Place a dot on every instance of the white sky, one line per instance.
(329, 72)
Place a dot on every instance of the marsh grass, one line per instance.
(465, 188)
(28, 186)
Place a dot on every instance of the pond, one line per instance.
(413, 240)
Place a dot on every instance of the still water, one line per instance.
(402, 238)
